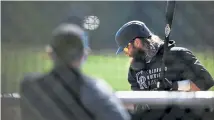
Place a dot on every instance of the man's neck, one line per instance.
(71, 65)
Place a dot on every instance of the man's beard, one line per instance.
(145, 54)
(138, 54)
(142, 56)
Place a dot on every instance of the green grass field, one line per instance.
(113, 69)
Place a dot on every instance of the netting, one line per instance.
(26, 29)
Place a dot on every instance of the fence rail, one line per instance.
(199, 98)
(201, 104)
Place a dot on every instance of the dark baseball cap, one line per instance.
(129, 31)
(69, 40)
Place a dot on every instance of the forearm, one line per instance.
(201, 81)
(194, 87)
(185, 85)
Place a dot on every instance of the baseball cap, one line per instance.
(130, 31)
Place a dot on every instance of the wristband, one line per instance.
(184, 85)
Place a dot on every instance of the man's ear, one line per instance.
(137, 43)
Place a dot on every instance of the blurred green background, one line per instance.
(26, 29)
(104, 65)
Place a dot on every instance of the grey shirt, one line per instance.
(46, 98)
(98, 97)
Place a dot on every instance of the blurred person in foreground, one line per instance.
(183, 71)
(65, 93)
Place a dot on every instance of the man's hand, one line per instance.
(184, 85)
(167, 85)
(129, 106)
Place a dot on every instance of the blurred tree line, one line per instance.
(30, 23)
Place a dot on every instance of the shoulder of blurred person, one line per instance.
(98, 96)
(28, 96)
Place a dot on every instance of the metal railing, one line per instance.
(201, 104)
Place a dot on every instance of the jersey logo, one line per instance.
(149, 78)
(141, 80)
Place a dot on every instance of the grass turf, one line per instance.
(113, 69)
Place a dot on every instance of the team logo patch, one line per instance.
(148, 79)
(141, 79)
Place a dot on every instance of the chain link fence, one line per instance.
(26, 29)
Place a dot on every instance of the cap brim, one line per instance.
(119, 50)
